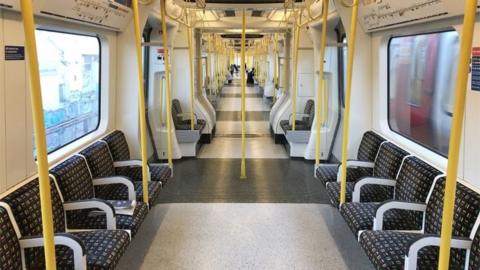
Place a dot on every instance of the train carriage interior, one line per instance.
(248, 134)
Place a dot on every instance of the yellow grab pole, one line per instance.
(243, 173)
(320, 84)
(456, 133)
(40, 137)
(285, 67)
(141, 101)
(192, 96)
(348, 92)
(169, 85)
(295, 75)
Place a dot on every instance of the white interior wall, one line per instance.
(361, 97)
(16, 136)
(181, 69)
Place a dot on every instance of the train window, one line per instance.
(70, 80)
(421, 77)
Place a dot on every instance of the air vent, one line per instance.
(229, 13)
(257, 13)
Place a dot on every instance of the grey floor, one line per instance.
(277, 218)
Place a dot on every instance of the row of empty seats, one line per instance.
(394, 206)
(97, 203)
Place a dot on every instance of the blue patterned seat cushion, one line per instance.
(328, 174)
(368, 149)
(474, 262)
(387, 249)
(87, 220)
(120, 192)
(10, 256)
(359, 216)
(157, 173)
(104, 249)
(370, 193)
(389, 160)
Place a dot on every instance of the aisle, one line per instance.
(227, 143)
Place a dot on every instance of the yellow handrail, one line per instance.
(285, 67)
(169, 85)
(141, 102)
(40, 136)
(456, 133)
(243, 173)
(192, 96)
(348, 93)
(295, 76)
(320, 84)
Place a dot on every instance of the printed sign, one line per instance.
(14, 53)
(476, 69)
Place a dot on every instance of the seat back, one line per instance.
(99, 160)
(466, 209)
(474, 262)
(10, 256)
(73, 179)
(388, 161)
(310, 111)
(368, 149)
(117, 143)
(25, 205)
(415, 180)
(176, 110)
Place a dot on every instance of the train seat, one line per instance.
(301, 125)
(414, 250)
(413, 184)
(386, 166)
(118, 146)
(9, 243)
(101, 165)
(187, 138)
(102, 248)
(76, 185)
(367, 152)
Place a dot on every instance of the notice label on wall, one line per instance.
(14, 53)
(476, 69)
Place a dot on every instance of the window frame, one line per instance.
(97, 37)
(436, 151)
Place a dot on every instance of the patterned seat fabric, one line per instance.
(118, 146)
(10, 254)
(386, 249)
(369, 193)
(120, 192)
(413, 185)
(367, 151)
(181, 124)
(104, 248)
(159, 173)
(75, 183)
(101, 165)
(328, 174)
(474, 262)
(305, 123)
(386, 166)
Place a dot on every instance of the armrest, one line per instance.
(105, 206)
(126, 163)
(117, 180)
(369, 181)
(389, 205)
(359, 163)
(187, 115)
(290, 118)
(64, 239)
(411, 254)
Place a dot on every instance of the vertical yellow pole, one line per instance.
(348, 92)
(243, 173)
(456, 133)
(40, 137)
(192, 96)
(285, 67)
(169, 85)
(320, 101)
(141, 101)
(208, 65)
(295, 75)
